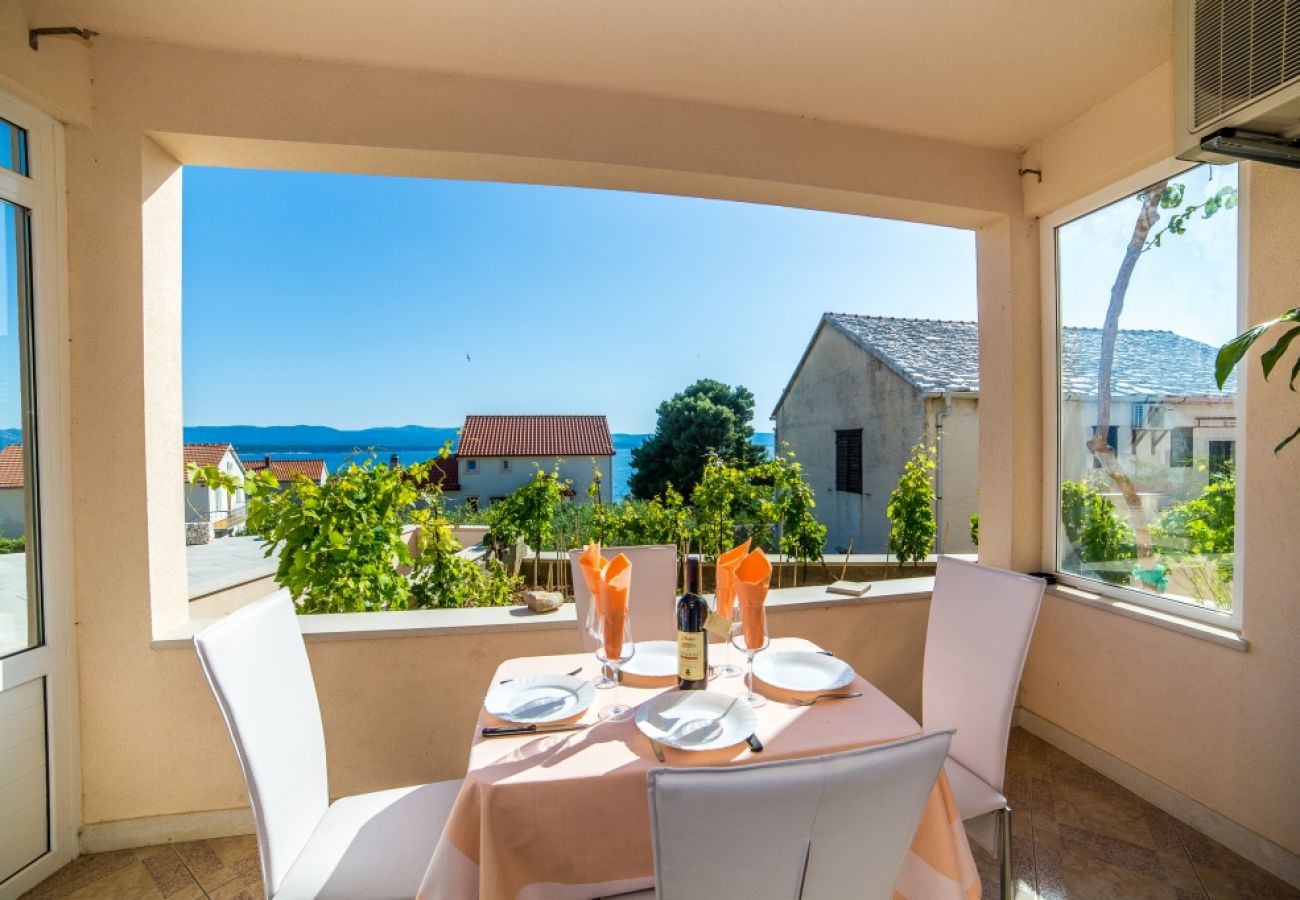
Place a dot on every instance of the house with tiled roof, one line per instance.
(496, 454)
(869, 387)
(212, 512)
(285, 470)
(13, 505)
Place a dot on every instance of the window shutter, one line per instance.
(848, 461)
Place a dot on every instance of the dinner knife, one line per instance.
(507, 730)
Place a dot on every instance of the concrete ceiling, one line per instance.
(997, 73)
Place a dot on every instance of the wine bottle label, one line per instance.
(690, 655)
(718, 626)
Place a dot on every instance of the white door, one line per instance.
(38, 786)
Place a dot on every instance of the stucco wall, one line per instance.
(490, 481)
(13, 512)
(842, 386)
(1214, 723)
(957, 478)
(152, 742)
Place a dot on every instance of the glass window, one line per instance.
(20, 625)
(13, 147)
(1147, 288)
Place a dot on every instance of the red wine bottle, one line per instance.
(692, 643)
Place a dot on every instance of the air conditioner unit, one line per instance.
(1237, 80)
(1155, 416)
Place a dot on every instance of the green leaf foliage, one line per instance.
(1096, 532)
(975, 529)
(529, 512)
(708, 418)
(1202, 526)
(911, 508)
(1233, 352)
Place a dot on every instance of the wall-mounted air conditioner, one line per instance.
(1155, 415)
(1237, 80)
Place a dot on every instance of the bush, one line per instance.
(911, 509)
(13, 545)
(1096, 532)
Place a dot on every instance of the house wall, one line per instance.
(152, 742)
(1219, 725)
(490, 481)
(13, 512)
(958, 470)
(842, 386)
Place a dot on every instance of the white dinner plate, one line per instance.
(653, 659)
(801, 670)
(536, 699)
(696, 720)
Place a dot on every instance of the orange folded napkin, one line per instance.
(614, 584)
(753, 576)
(724, 578)
(593, 568)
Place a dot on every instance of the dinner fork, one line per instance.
(809, 701)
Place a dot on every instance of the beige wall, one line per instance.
(152, 742)
(959, 470)
(1217, 724)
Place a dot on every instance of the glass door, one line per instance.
(37, 806)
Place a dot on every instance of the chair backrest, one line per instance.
(257, 665)
(652, 598)
(821, 827)
(981, 620)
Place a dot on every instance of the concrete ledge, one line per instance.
(151, 830)
(1237, 838)
(435, 622)
(1190, 627)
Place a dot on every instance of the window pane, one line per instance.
(13, 147)
(20, 626)
(1147, 295)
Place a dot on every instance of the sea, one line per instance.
(336, 456)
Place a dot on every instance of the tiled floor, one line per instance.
(1078, 836)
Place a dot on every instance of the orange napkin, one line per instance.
(615, 580)
(725, 578)
(593, 572)
(752, 578)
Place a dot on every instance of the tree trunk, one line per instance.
(1101, 450)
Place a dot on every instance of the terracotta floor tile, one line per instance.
(1076, 836)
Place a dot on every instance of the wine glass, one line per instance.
(726, 610)
(751, 636)
(614, 647)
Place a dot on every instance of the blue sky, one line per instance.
(353, 301)
(357, 301)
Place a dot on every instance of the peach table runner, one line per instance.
(565, 815)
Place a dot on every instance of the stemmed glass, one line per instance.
(727, 669)
(614, 647)
(756, 620)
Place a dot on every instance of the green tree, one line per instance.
(529, 512)
(707, 418)
(911, 508)
(1200, 535)
(1097, 533)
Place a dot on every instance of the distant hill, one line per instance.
(272, 437)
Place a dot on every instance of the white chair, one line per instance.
(371, 845)
(651, 601)
(821, 828)
(981, 620)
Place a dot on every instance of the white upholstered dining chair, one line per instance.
(651, 598)
(981, 621)
(369, 845)
(822, 827)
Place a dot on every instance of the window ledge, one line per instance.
(448, 622)
(1190, 627)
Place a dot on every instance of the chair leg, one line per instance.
(1008, 883)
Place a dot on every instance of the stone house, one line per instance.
(497, 454)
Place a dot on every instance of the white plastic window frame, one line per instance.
(1047, 231)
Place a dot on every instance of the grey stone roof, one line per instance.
(939, 355)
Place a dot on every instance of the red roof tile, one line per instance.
(11, 466)
(285, 469)
(535, 436)
(204, 455)
(443, 474)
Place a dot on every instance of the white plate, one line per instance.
(540, 698)
(653, 659)
(800, 670)
(696, 720)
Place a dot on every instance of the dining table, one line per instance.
(565, 815)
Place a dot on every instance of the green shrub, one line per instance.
(911, 508)
(1097, 533)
